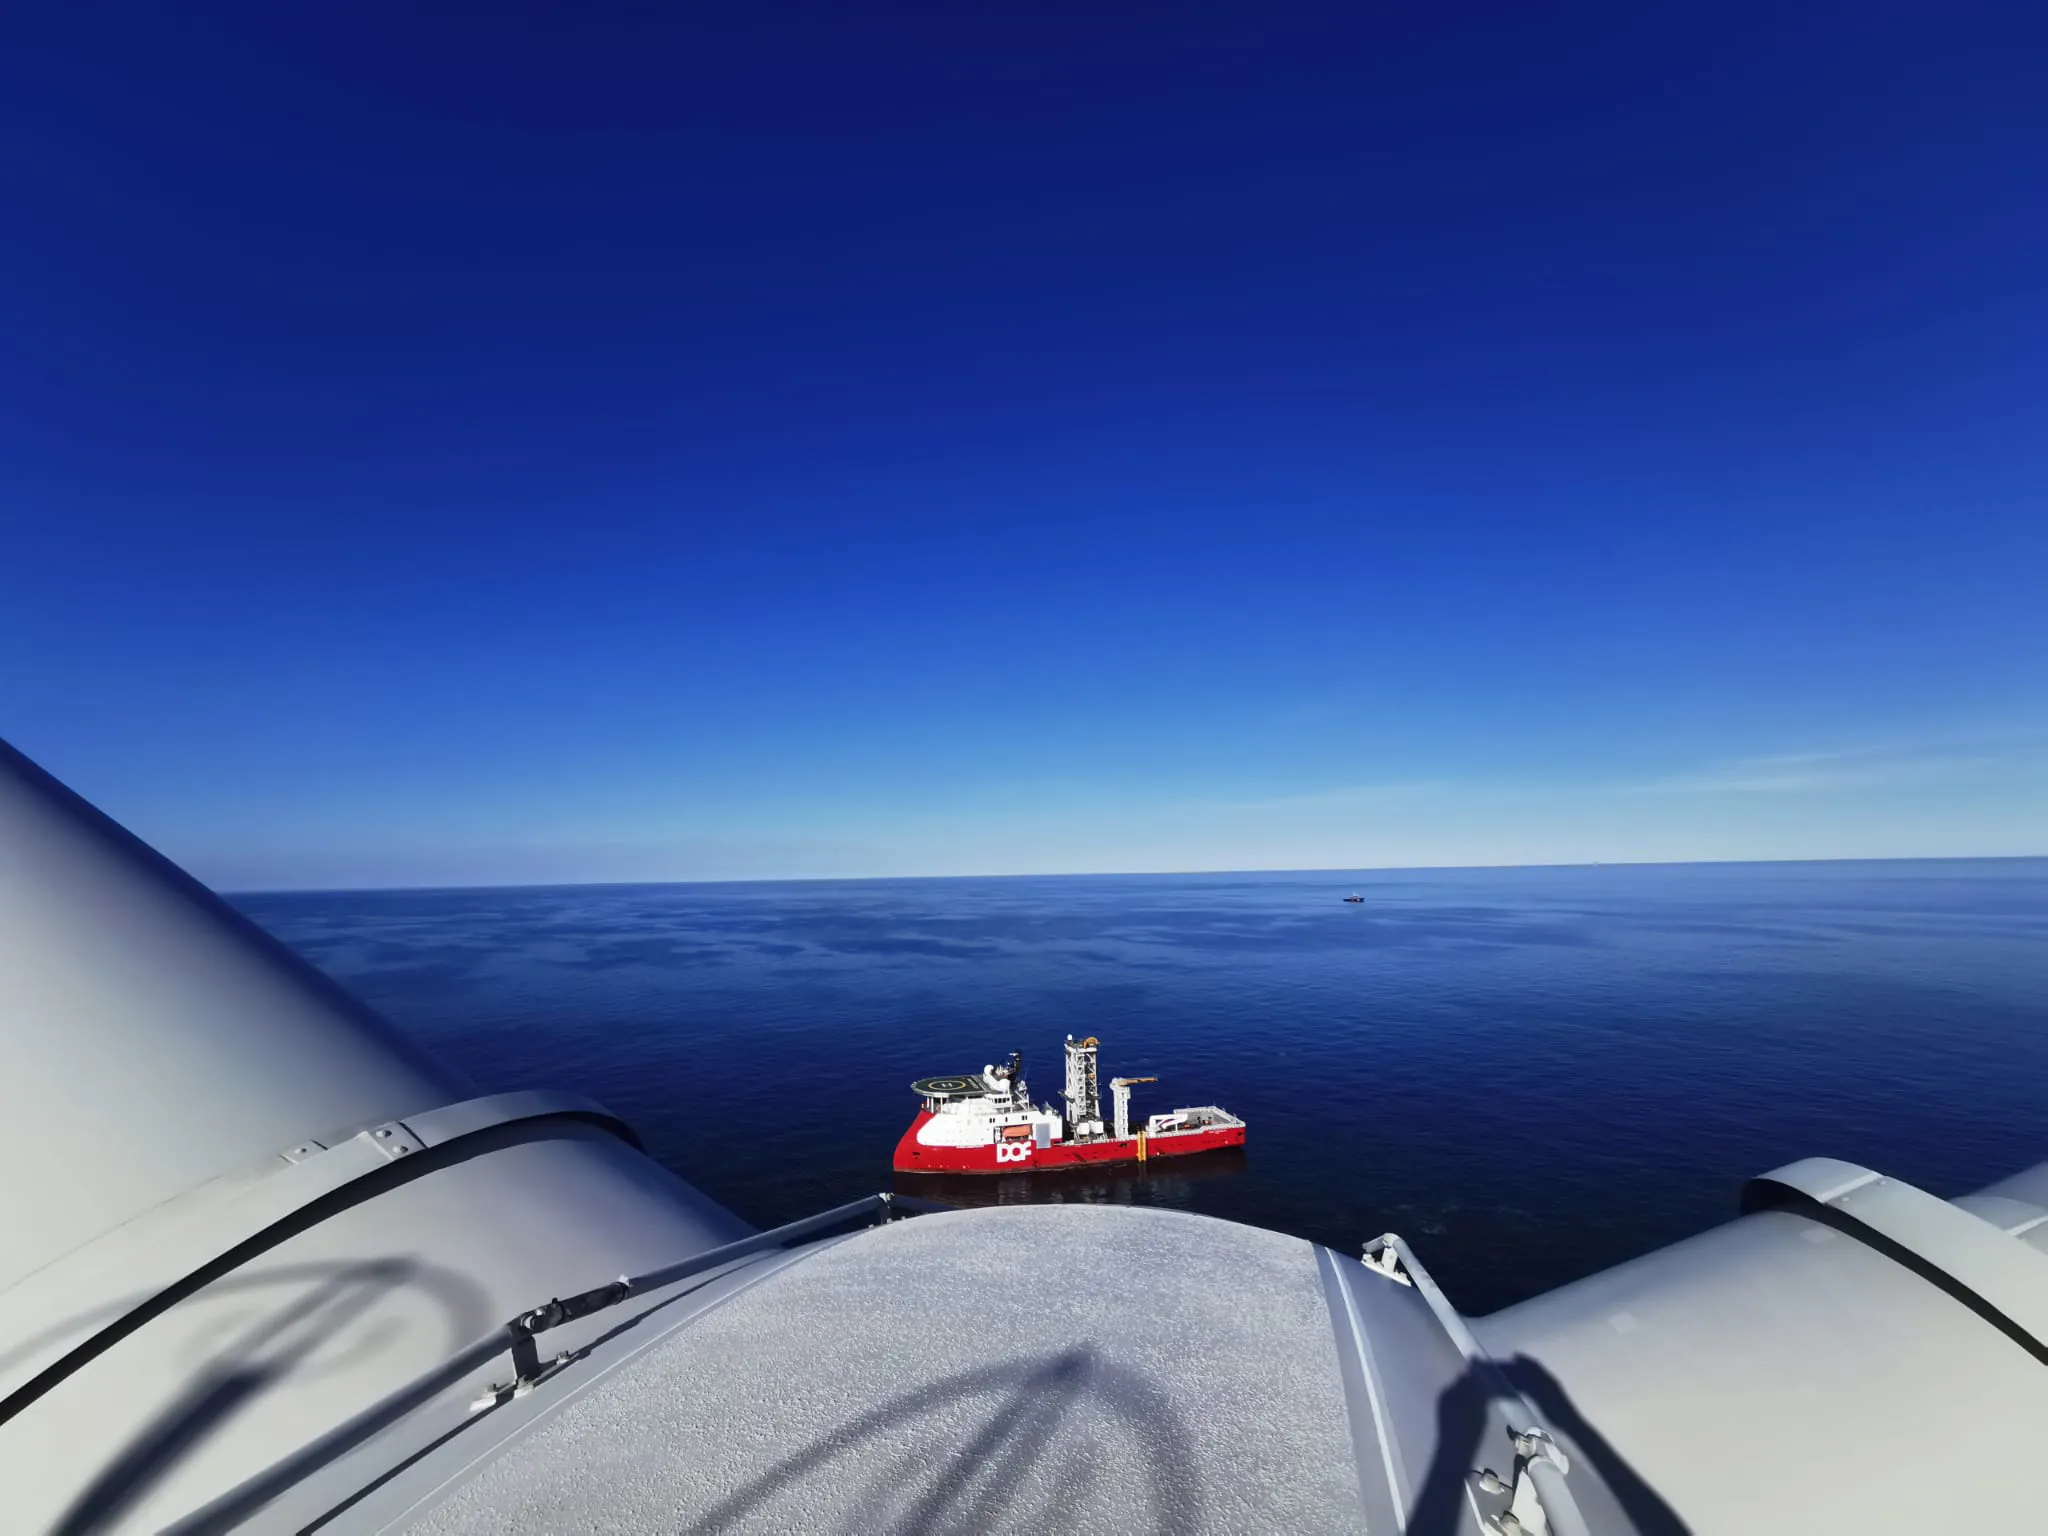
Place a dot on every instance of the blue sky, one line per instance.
(511, 445)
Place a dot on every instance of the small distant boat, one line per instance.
(1354, 896)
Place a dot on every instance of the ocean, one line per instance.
(1529, 1073)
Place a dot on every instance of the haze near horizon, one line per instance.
(543, 445)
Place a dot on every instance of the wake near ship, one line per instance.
(988, 1124)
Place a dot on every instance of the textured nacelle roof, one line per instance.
(1031, 1369)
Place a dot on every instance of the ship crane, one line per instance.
(1120, 1093)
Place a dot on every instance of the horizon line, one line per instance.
(1134, 874)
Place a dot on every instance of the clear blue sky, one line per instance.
(624, 442)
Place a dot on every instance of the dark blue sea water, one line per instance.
(1530, 1073)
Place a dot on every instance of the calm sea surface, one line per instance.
(1529, 1073)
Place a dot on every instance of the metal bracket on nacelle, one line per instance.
(1539, 1502)
(127, 1273)
(236, 1507)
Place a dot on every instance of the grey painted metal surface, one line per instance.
(127, 1270)
(2028, 1188)
(274, 1352)
(1777, 1374)
(1387, 1483)
(449, 1443)
(192, 1285)
(1780, 1375)
(1030, 1368)
(521, 1356)
(156, 1039)
(2015, 1218)
(1976, 1260)
(1533, 1492)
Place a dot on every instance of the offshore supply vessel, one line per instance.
(988, 1124)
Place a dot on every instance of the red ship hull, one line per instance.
(913, 1156)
